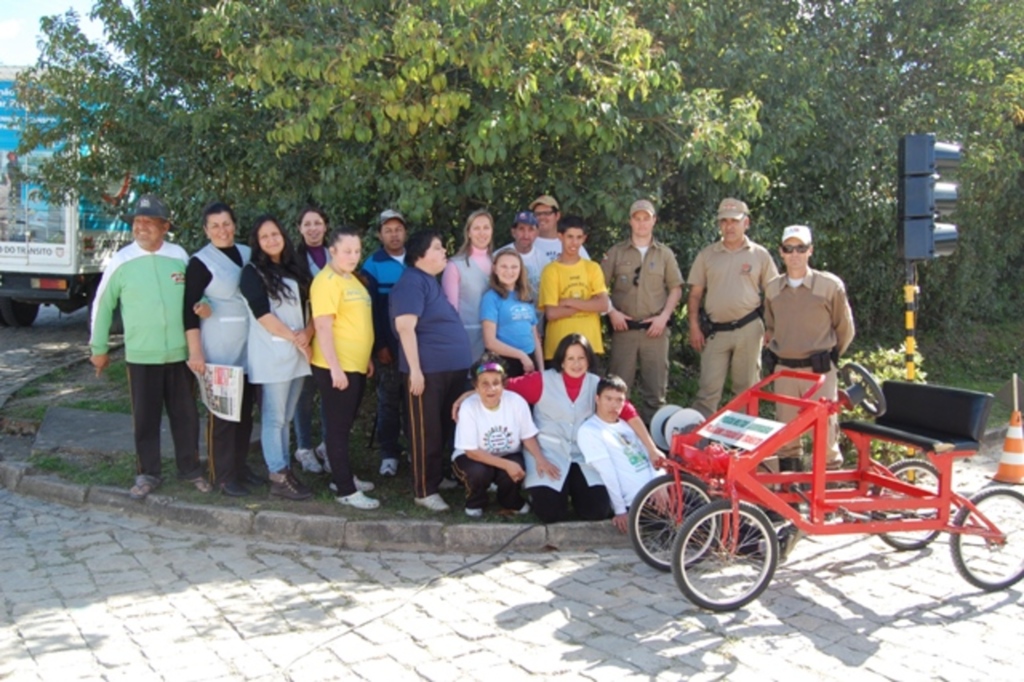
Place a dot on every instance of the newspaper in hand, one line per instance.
(221, 391)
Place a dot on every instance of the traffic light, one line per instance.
(922, 197)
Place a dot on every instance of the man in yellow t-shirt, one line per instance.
(572, 291)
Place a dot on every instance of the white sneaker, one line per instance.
(308, 461)
(525, 509)
(361, 486)
(433, 502)
(474, 513)
(358, 500)
(388, 467)
(321, 454)
(447, 484)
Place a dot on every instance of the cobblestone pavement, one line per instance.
(26, 353)
(89, 595)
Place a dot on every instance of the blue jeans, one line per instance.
(276, 410)
(303, 421)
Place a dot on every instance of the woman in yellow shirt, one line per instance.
(343, 320)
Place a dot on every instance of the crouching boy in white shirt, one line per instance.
(612, 447)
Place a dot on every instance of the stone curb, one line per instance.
(335, 532)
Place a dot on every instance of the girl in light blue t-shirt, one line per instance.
(508, 316)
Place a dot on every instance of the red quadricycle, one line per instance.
(715, 518)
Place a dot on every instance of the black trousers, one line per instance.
(153, 388)
(513, 367)
(227, 442)
(477, 477)
(430, 426)
(339, 410)
(590, 501)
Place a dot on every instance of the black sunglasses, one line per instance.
(802, 248)
(636, 276)
(544, 214)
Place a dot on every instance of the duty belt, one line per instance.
(793, 364)
(736, 324)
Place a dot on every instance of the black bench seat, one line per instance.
(934, 418)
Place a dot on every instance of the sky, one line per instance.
(19, 26)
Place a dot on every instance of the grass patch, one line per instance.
(101, 469)
(112, 405)
(26, 412)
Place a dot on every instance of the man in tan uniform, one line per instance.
(646, 286)
(733, 273)
(808, 326)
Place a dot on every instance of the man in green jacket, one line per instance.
(147, 280)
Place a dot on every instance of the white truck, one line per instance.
(49, 254)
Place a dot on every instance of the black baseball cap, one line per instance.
(149, 205)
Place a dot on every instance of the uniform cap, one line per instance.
(732, 208)
(642, 205)
(801, 232)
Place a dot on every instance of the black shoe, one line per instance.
(250, 477)
(233, 489)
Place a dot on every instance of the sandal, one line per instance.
(144, 485)
(201, 484)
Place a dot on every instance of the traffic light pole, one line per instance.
(910, 298)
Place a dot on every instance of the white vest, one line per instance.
(273, 359)
(473, 283)
(224, 333)
(558, 420)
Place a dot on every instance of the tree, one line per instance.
(443, 106)
(436, 108)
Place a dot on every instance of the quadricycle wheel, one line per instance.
(722, 561)
(657, 514)
(922, 474)
(987, 563)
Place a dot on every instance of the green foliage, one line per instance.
(889, 364)
(443, 106)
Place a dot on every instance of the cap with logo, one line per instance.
(732, 208)
(392, 214)
(544, 200)
(642, 205)
(527, 218)
(148, 205)
(801, 232)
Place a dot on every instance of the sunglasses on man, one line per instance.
(799, 248)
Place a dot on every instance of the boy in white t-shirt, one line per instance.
(612, 447)
(493, 429)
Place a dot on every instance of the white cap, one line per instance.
(801, 232)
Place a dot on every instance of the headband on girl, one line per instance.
(490, 367)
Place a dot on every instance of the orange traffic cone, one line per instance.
(1011, 466)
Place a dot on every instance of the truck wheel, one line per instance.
(18, 314)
